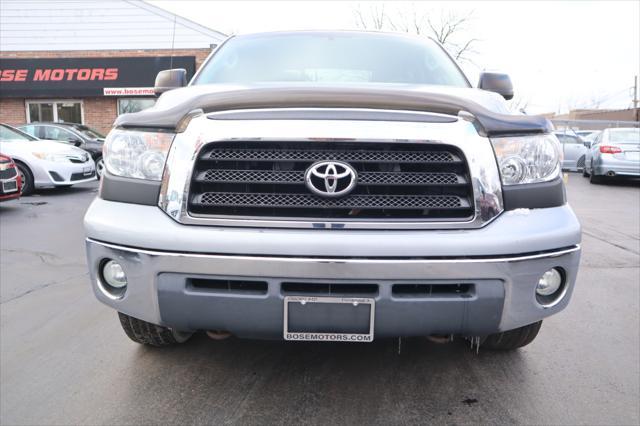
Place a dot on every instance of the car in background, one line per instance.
(585, 133)
(573, 149)
(614, 153)
(591, 138)
(43, 163)
(10, 183)
(78, 134)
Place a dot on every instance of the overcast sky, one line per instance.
(560, 55)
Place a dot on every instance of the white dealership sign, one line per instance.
(128, 91)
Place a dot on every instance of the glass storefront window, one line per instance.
(56, 111)
(40, 112)
(69, 112)
(127, 105)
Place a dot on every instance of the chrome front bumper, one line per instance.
(503, 261)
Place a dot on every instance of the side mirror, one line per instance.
(496, 82)
(170, 79)
(74, 141)
(587, 144)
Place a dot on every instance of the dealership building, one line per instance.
(88, 62)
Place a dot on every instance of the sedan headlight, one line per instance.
(136, 154)
(55, 158)
(528, 159)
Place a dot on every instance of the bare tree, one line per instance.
(373, 18)
(518, 104)
(448, 28)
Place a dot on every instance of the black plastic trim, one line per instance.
(128, 190)
(535, 195)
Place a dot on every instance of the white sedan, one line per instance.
(43, 163)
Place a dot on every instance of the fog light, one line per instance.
(549, 283)
(114, 275)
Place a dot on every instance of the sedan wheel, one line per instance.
(27, 179)
(99, 167)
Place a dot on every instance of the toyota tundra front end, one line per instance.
(329, 192)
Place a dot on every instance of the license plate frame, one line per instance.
(306, 336)
(9, 186)
(87, 171)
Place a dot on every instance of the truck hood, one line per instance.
(489, 109)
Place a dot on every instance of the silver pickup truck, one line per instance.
(332, 186)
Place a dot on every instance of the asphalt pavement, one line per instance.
(65, 360)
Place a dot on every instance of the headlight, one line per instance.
(136, 154)
(47, 156)
(528, 159)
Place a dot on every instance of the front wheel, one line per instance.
(146, 333)
(26, 177)
(512, 339)
(596, 179)
(99, 167)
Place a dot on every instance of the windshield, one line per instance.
(9, 133)
(624, 135)
(331, 58)
(88, 132)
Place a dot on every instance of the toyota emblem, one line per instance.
(330, 178)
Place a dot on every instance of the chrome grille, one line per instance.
(8, 173)
(395, 181)
(342, 155)
(348, 202)
(367, 178)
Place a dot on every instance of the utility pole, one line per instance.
(635, 91)
(635, 97)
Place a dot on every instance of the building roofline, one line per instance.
(179, 19)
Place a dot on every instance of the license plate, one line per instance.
(87, 171)
(329, 319)
(9, 186)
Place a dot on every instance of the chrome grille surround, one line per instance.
(461, 134)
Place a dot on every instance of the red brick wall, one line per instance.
(12, 111)
(99, 112)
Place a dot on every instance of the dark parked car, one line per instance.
(78, 134)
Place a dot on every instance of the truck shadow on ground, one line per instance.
(264, 382)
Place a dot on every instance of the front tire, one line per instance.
(26, 177)
(99, 167)
(512, 339)
(595, 179)
(149, 334)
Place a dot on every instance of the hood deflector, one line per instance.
(488, 123)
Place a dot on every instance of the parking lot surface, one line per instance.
(65, 360)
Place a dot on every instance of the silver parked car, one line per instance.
(574, 151)
(43, 163)
(584, 134)
(615, 152)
